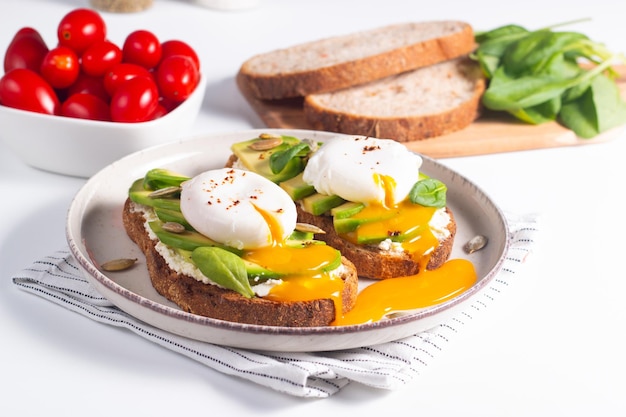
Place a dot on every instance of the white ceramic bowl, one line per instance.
(80, 147)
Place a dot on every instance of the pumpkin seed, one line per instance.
(308, 228)
(118, 264)
(269, 136)
(266, 143)
(475, 244)
(165, 192)
(173, 227)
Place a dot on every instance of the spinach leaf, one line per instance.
(536, 76)
(224, 268)
(429, 192)
(280, 159)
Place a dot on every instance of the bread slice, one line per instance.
(209, 300)
(419, 104)
(343, 61)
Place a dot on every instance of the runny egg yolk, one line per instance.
(426, 288)
(305, 277)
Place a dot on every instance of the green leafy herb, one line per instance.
(429, 192)
(537, 77)
(224, 268)
(280, 159)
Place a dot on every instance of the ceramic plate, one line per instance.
(95, 234)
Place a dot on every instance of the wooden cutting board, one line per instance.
(491, 133)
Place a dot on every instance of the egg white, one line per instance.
(346, 166)
(225, 204)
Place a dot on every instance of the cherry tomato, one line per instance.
(177, 47)
(143, 48)
(122, 72)
(135, 100)
(26, 50)
(60, 67)
(24, 89)
(177, 77)
(89, 84)
(86, 106)
(159, 112)
(99, 57)
(80, 28)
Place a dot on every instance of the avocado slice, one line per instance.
(347, 209)
(259, 160)
(187, 240)
(139, 194)
(319, 204)
(297, 188)
(167, 215)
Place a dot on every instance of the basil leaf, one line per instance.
(429, 192)
(280, 159)
(224, 268)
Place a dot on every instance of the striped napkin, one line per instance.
(386, 366)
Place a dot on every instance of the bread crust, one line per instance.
(457, 39)
(209, 300)
(374, 263)
(322, 114)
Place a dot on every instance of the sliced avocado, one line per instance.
(259, 161)
(138, 194)
(347, 209)
(297, 188)
(187, 240)
(319, 204)
(166, 215)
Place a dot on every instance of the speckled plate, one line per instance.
(95, 234)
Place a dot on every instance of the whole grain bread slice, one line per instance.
(210, 300)
(343, 61)
(419, 104)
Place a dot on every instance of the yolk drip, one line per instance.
(424, 289)
(304, 268)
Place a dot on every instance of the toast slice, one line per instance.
(419, 104)
(209, 300)
(343, 61)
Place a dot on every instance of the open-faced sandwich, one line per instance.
(367, 194)
(226, 244)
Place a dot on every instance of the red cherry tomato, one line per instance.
(122, 72)
(99, 57)
(135, 100)
(89, 84)
(143, 48)
(86, 106)
(177, 47)
(26, 50)
(60, 67)
(177, 77)
(80, 28)
(24, 89)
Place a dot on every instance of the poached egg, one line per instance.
(363, 169)
(238, 208)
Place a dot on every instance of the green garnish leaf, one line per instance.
(158, 178)
(224, 268)
(429, 192)
(280, 159)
